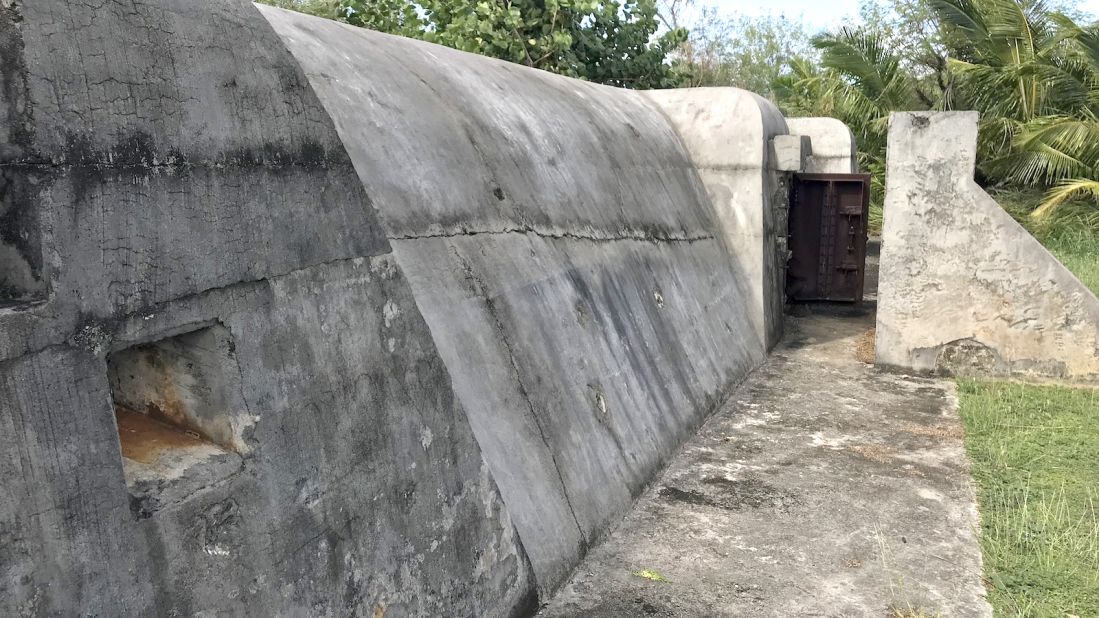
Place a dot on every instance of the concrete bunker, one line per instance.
(175, 404)
(457, 461)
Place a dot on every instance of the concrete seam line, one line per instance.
(733, 167)
(626, 235)
(67, 341)
(167, 165)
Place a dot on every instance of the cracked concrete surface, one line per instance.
(968, 291)
(592, 235)
(565, 256)
(823, 487)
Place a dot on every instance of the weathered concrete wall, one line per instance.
(181, 174)
(421, 323)
(728, 133)
(562, 249)
(964, 288)
(834, 150)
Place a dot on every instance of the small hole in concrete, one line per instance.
(599, 402)
(179, 412)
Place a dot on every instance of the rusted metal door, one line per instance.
(828, 217)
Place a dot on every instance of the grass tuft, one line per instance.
(1035, 454)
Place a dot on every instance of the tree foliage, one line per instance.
(1034, 76)
(613, 42)
(1032, 73)
(745, 52)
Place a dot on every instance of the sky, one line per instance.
(819, 14)
(815, 13)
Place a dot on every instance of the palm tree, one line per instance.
(867, 81)
(1034, 76)
(860, 80)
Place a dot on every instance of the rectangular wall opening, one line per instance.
(180, 416)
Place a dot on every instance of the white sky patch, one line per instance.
(819, 15)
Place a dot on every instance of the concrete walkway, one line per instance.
(822, 488)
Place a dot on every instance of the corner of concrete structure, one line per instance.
(190, 177)
(964, 289)
(790, 153)
(834, 148)
(728, 133)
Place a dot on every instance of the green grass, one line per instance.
(876, 220)
(1035, 455)
(1072, 235)
(1083, 264)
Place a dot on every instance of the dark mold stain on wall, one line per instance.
(20, 247)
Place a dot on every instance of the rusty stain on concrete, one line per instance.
(144, 439)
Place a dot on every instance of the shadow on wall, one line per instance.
(964, 289)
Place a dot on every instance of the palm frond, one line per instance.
(863, 59)
(1087, 41)
(1073, 189)
(963, 15)
(1050, 149)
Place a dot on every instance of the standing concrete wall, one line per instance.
(834, 150)
(964, 288)
(411, 327)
